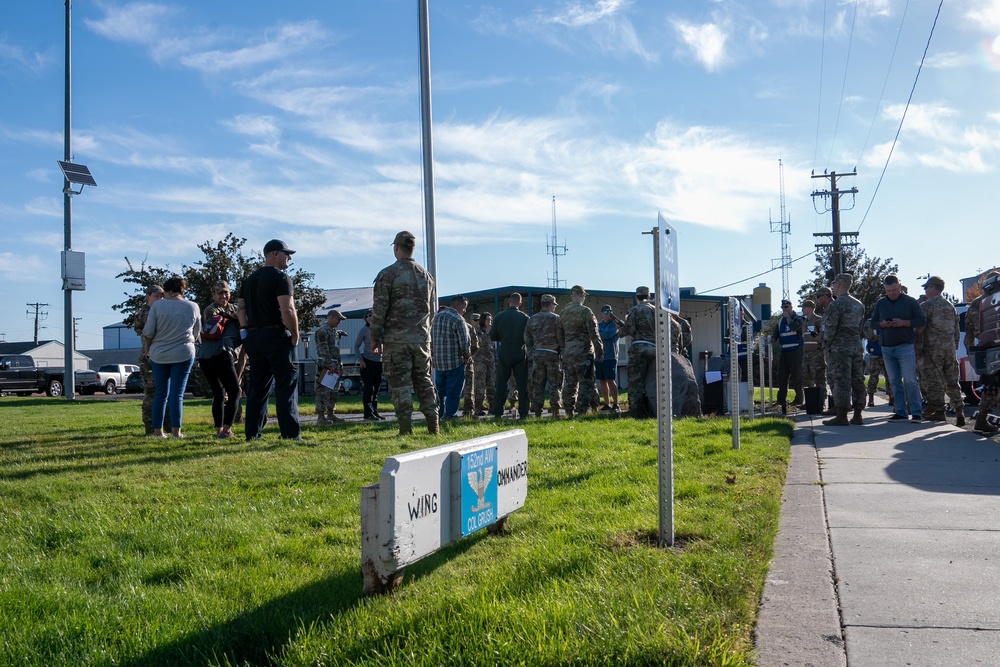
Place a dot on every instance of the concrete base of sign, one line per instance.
(430, 498)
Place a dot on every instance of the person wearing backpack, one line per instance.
(220, 342)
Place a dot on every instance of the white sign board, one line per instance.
(419, 504)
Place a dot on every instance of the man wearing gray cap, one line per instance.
(266, 310)
(937, 362)
(543, 342)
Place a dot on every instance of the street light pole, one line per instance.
(69, 376)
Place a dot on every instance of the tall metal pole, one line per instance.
(664, 400)
(426, 139)
(69, 376)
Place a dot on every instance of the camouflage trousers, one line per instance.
(876, 366)
(813, 368)
(579, 388)
(469, 393)
(938, 371)
(988, 399)
(407, 368)
(846, 371)
(326, 400)
(546, 368)
(485, 381)
(641, 362)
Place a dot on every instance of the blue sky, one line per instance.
(300, 120)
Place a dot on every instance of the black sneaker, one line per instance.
(897, 417)
(916, 419)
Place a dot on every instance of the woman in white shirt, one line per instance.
(173, 326)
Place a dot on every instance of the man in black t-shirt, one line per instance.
(271, 330)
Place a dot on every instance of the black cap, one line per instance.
(785, 302)
(275, 244)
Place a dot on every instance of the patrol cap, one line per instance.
(220, 286)
(808, 303)
(935, 281)
(578, 291)
(405, 239)
(548, 298)
(785, 302)
(642, 289)
(276, 244)
(846, 278)
(334, 311)
(824, 291)
(154, 289)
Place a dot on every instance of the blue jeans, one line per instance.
(170, 381)
(901, 369)
(449, 385)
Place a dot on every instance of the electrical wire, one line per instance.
(903, 118)
(819, 102)
(843, 85)
(763, 273)
(892, 58)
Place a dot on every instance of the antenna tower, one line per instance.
(552, 248)
(783, 225)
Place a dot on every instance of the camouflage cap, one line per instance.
(824, 291)
(808, 303)
(405, 239)
(578, 291)
(334, 311)
(642, 289)
(845, 278)
(935, 281)
(154, 289)
(548, 298)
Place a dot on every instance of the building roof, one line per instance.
(22, 347)
(351, 301)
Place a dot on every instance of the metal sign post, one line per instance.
(751, 403)
(763, 396)
(668, 297)
(734, 368)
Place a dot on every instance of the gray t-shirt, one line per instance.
(173, 326)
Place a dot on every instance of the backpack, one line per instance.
(214, 327)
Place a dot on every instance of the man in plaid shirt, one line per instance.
(450, 352)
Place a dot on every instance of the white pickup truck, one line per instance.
(112, 376)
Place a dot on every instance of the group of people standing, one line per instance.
(914, 342)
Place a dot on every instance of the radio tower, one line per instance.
(784, 225)
(555, 250)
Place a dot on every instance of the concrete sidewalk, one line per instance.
(888, 551)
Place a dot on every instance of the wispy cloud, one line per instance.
(285, 41)
(705, 42)
(14, 57)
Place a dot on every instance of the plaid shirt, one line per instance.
(449, 340)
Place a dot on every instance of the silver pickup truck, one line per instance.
(112, 377)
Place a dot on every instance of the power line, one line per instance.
(762, 273)
(905, 109)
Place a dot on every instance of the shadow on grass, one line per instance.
(257, 637)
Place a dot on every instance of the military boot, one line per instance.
(983, 425)
(935, 416)
(433, 424)
(321, 420)
(960, 417)
(871, 400)
(857, 419)
(839, 420)
(405, 424)
(784, 408)
(892, 402)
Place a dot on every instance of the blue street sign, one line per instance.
(479, 489)
(670, 285)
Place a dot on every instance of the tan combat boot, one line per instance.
(321, 420)
(982, 425)
(839, 420)
(433, 424)
(960, 417)
(871, 400)
(405, 424)
(857, 420)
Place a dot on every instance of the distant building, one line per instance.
(46, 353)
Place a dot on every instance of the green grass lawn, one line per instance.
(117, 549)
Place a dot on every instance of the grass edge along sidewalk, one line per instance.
(117, 549)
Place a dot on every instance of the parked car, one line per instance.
(134, 383)
(19, 375)
(113, 376)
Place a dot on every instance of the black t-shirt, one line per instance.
(260, 294)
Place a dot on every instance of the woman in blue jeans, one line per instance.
(173, 326)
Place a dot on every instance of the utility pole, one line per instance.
(834, 194)
(75, 320)
(38, 315)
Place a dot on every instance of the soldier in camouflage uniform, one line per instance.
(485, 362)
(640, 324)
(813, 358)
(405, 301)
(680, 335)
(937, 343)
(876, 366)
(153, 294)
(844, 320)
(543, 342)
(582, 346)
(469, 392)
(991, 393)
(328, 362)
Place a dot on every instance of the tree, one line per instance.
(223, 260)
(868, 273)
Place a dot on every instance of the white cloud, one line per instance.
(604, 25)
(706, 42)
(576, 15)
(984, 14)
(286, 41)
(935, 137)
(139, 22)
(15, 57)
(949, 60)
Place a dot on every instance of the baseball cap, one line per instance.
(334, 311)
(606, 308)
(936, 281)
(275, 244)
(548, 298)
(785, 302)
(578, 291)
(824, 291)
(405, 238)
